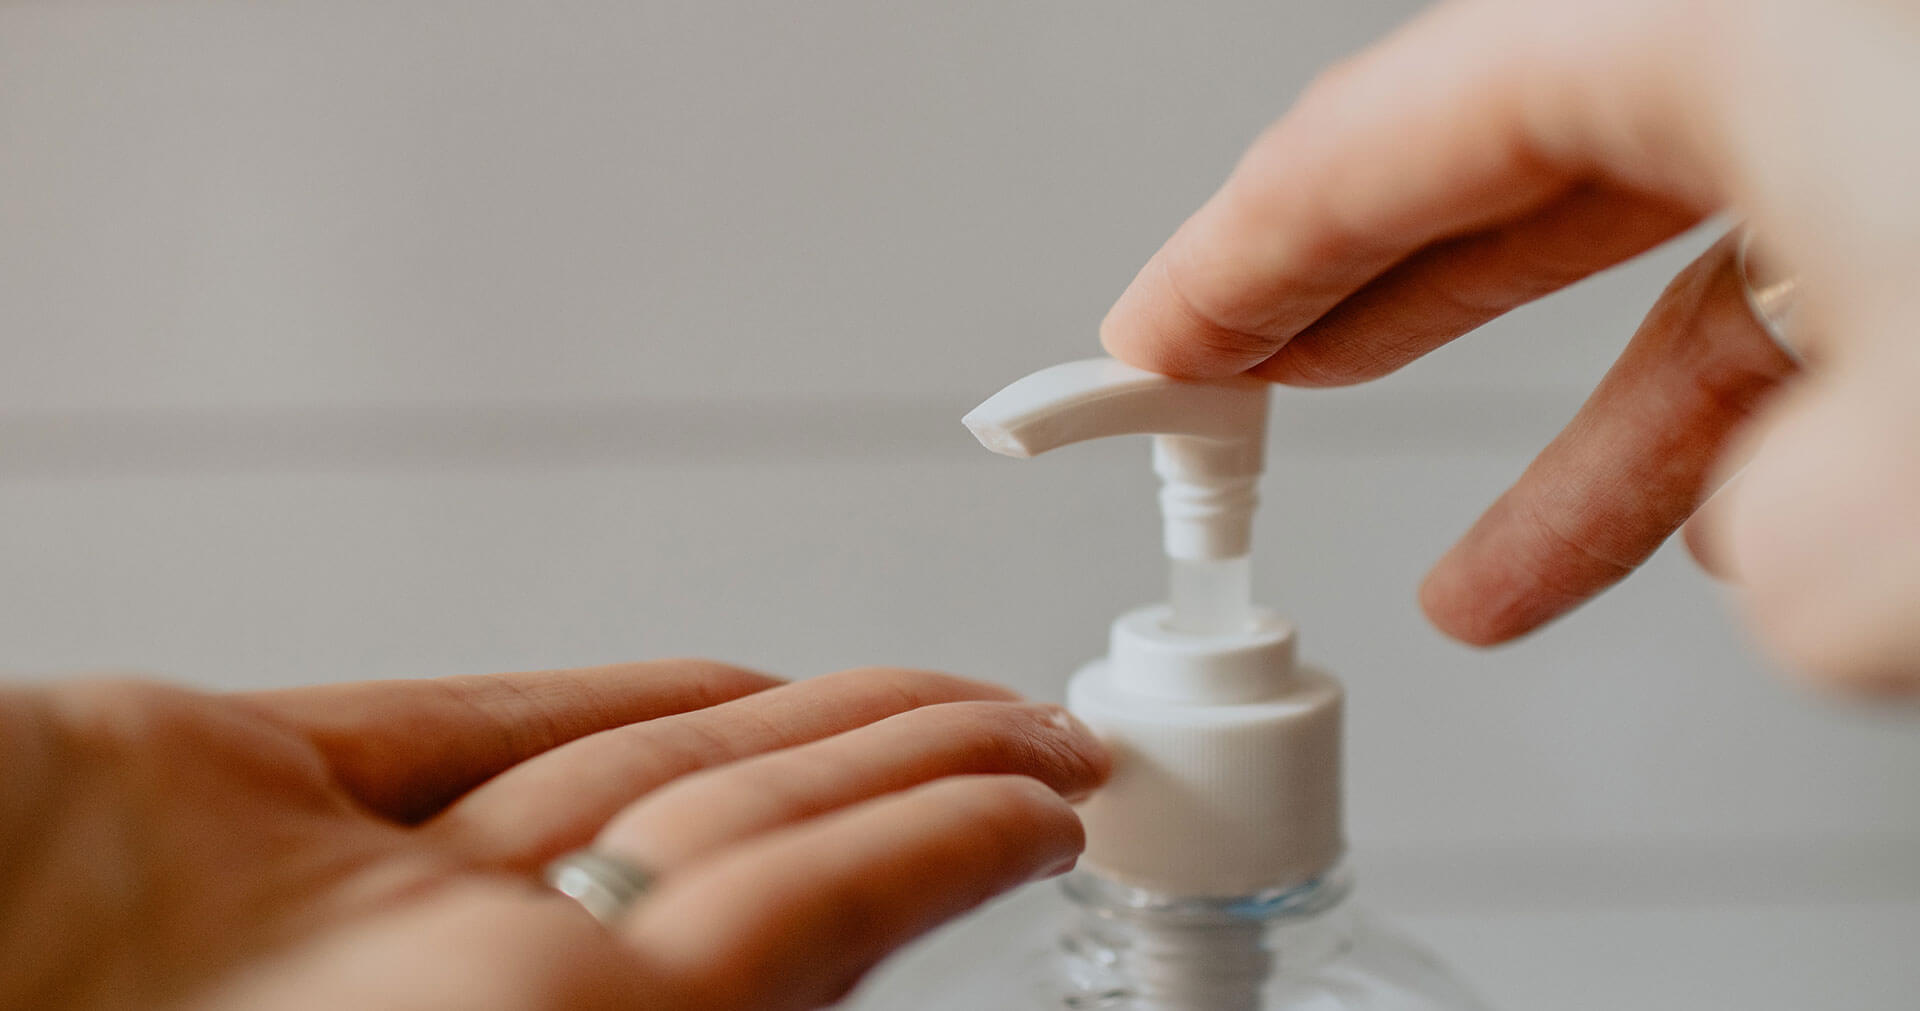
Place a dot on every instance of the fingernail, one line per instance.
(1086, 743)
(1064, 721)
(1058, 869)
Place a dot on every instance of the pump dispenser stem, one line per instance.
(1210, 597)
(1208, 448)
(1209, 440)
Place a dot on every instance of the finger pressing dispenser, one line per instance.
(1227, 751)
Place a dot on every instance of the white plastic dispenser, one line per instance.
(1212, 878)
(1227, 752)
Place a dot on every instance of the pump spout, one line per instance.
(1209, 449)
(1098, 397)
(1209, 445)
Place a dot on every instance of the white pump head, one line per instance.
(1209, 448)
(1226, 778)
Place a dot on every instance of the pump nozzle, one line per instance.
(1097, 397)
(1209, 448)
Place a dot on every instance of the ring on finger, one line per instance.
(606, 886)
(1772, 295)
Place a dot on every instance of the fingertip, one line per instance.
(1465, 612)
(1134, 332)
(1153, 326)
(1015, 804)
(1033, 828)
(1064, 753)
(1439, 604)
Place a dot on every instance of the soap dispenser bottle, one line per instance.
(1213, 876)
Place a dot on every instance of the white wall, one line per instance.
(347, 339)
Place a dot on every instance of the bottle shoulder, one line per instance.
(1336, 957)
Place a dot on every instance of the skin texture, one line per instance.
(375, 844)
(1493, 151)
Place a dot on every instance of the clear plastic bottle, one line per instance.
(1114, 948)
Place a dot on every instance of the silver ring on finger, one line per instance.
(1772, 295)
(606, 886)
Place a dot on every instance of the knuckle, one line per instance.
(126, 709)
(778, 782)
(1732, 382)
(525, 720)
(133, 720)
(1576, 538)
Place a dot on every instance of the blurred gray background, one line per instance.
(348, 339)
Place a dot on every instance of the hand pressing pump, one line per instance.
(1212, 877)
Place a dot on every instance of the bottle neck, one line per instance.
(1174, 953)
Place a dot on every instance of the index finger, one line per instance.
(1472, 117)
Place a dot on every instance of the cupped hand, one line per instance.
(1493, 151)
(377, 845)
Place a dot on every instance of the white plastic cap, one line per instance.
(1227, 756)
(1233, 795)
